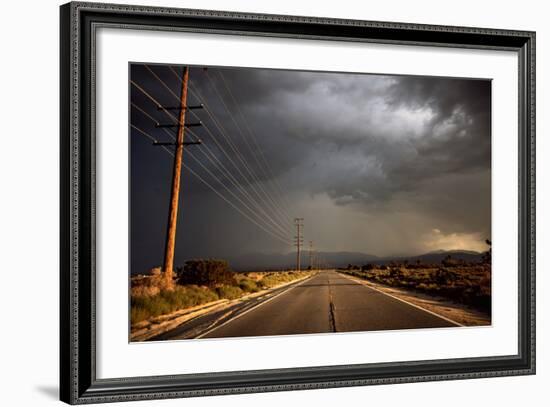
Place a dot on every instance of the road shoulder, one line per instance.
(165, 323)
(459, 313)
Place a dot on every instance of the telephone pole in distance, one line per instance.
(298, 239)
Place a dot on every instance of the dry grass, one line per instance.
(167, 301)
(271, 279)
(149, 296)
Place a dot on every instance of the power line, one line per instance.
(268, 170)
(233, 180)
(280, 234)
(194, 173)
(144, 133)
(239, 156)
(272, 200)
(242, 191)
(239, 171)
(286, 230)
(273, 227)
(227, 189)
(256, 181)
(252, 179)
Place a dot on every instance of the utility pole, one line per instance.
(176, 177)
(311, 255)
(298, 240)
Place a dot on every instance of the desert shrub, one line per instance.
(248, 285)
(429, 287)
(209, 272)
(444, 276)
(367, 267)
(395, 272)
(485, 282)
(448, 261)
(149, 285)
(255, 276)
(229, 292)
(138, 314)
(144, 290)
(486, 257)
(418, 265)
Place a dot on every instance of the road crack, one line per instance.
(331, 312)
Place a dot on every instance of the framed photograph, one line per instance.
(255, 203)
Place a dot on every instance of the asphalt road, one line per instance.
(326, 302)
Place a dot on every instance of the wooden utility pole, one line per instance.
(175, 192)
(298, 222)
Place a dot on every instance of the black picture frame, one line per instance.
(78, 382)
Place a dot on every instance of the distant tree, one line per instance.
(367, 267)
(208, 272)
(487, 257)
(448, 261)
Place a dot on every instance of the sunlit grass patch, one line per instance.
(165, 302)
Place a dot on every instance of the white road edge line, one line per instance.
(402, 300)
(253, 308)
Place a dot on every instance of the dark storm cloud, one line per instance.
(394, 132)
(411, 150)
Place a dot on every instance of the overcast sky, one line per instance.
(386, 165)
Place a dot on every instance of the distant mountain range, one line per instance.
(437, 256)
(277, 261)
